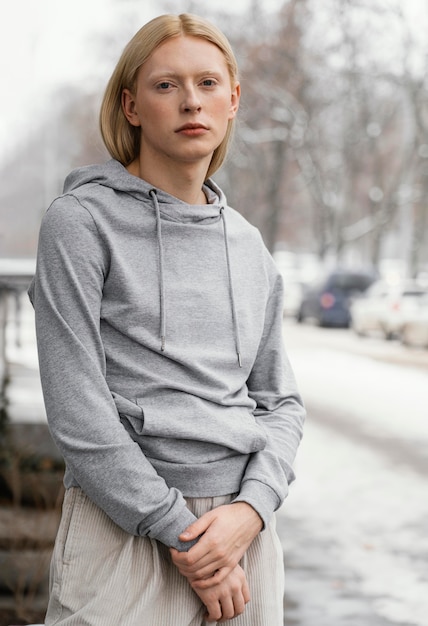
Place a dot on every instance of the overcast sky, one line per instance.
(44, 43)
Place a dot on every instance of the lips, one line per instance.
(191, 127)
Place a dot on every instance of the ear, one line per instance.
(234, 101)
(129, 108)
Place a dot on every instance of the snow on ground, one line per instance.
(369, 519)
(354, 526)
(385, 398)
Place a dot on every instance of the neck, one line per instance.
(183, 181)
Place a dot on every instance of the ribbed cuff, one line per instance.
(261, 497)
(168, 533)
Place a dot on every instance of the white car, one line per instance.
(293, 293)
(414, 330)
(383, 308)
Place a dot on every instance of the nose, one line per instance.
(191, 101)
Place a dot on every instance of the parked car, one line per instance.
(414, 330)
(382, 309)
(327, 300)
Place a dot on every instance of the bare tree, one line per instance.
(273, 79)
(330, 136)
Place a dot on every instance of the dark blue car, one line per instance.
(327, 300)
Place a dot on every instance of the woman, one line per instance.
(167, 390)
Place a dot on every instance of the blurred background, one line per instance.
(332, 146)
(330, 162)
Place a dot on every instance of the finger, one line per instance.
(210, 581)
(191, 570)
(189, 565)
(198, 562)
(232, 607)
(246, 592)
(211, 574)
(227, 608)
(197, 528)
(214, 612)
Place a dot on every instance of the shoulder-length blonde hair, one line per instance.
(122, 140)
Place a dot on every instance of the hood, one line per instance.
(114, 175)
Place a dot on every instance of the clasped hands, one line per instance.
(212, 565)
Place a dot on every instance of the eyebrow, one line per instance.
(156, 74)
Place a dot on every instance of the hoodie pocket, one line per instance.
(130, 413)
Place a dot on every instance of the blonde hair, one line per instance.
(121, 139)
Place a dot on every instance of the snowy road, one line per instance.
(354, 528)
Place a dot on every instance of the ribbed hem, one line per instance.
(204, 480)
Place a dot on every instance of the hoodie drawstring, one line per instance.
(162, 279)
(231, 291)
(161, 271)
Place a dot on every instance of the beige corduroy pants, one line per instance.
(102, 576)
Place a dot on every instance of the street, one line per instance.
(354, 528)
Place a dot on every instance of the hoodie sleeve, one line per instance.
(279, 412)
(104, 461)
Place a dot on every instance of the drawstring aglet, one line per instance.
(163, 343)
(239, 359)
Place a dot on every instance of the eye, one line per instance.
(164, 85)
(208, 82)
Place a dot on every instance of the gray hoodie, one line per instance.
(161, 357)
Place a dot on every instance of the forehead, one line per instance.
(185, 51)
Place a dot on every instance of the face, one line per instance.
(183, 101)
